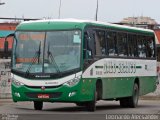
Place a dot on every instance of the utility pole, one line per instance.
(96, 17)
(59, 15)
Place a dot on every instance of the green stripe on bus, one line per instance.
(98, 66)
(138, 67)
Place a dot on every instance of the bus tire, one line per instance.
(123, 102)
(38, 105)
(91, 106)
(133, 100)
(80, 103)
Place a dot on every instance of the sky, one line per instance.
(109, 10)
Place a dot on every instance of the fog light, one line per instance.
(71, 94)
(17, 94)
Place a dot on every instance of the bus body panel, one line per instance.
(119, 75)
(114, 88)
(79, 93)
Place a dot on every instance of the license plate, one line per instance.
(43, 95)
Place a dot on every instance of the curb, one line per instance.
(5, 100)
(148, 97)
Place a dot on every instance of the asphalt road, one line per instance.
(69, 111)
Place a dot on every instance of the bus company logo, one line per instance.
(42, 76)
(43, 88)
(51, 83)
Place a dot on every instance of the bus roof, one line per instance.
(58, 24)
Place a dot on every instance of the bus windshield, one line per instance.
(46, 52)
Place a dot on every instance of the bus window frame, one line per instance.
(118, 30)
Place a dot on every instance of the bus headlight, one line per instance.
(16, 82)
(72, 82)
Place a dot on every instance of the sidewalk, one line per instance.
(149, 97)
(152, 96)
(6, 100)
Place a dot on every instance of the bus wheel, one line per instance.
(91, 106)
(124, 102)
(38, 105)
(133, 100)
(81, 104)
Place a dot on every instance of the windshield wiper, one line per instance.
(52, 59)
(36, 55)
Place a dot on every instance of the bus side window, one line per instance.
(135, 45)
(141, 47)
(100, 42)
(111, 43)
(150, 47)
(122, 44)
(132, 48)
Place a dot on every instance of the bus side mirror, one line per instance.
(6, 46)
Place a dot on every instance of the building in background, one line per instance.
(142, 22)
(5, 81)
(7, 28)
(139, 20)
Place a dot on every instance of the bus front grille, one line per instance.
(39, 87)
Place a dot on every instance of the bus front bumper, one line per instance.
(62, 93)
